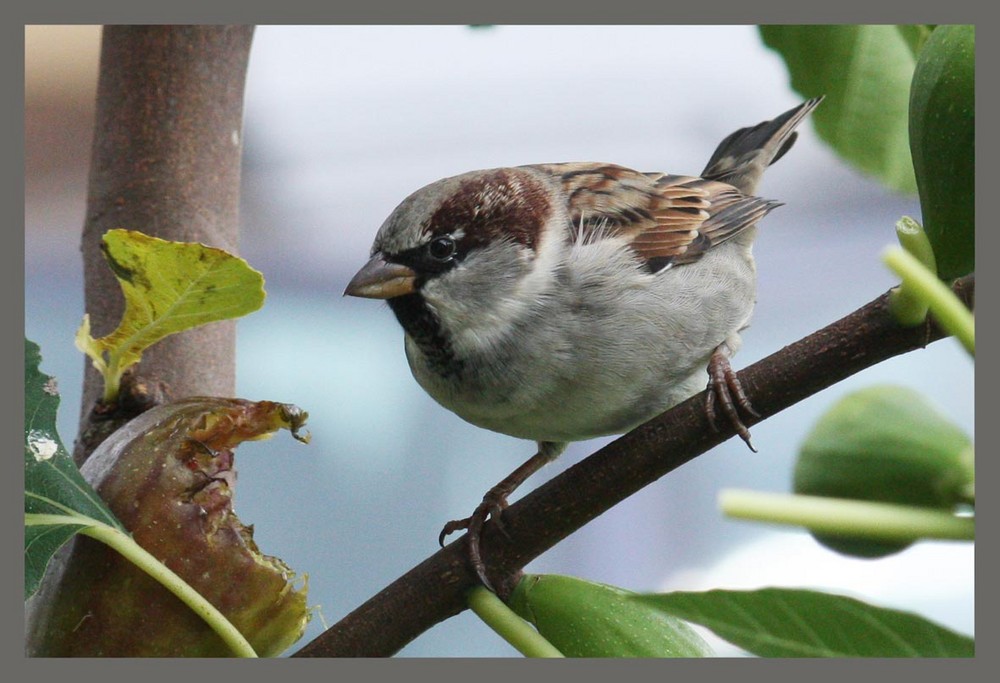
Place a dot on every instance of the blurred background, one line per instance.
(341, 123)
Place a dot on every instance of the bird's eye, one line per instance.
(442, 248)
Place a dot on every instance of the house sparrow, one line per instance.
(561, 302)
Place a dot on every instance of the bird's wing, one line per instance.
(667, 219)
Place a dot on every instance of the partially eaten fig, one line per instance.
(168, 476)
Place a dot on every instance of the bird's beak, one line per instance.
(379, 279)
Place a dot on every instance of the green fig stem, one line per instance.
(909, 307)
(913, 238)
(512, 628)
(842, 517)
(952, 315)
(132, 551)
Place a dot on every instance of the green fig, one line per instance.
(942, 144)
(884, 444)
(585, 619)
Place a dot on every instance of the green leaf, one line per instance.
(585, 619)
(865, 73)
(53, 486)
(168, 287)
(776, 622)
(915, 35)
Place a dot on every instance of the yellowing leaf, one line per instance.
(169, 287)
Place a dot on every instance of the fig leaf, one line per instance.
(865, 72)
(168, 287)
(54, 489)
(782, 622)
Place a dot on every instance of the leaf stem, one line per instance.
(836, 516)
(512, 628)
(140, 557)
(953, 316)
(112, 380)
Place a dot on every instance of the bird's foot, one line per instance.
(492, 507)
(726, 390)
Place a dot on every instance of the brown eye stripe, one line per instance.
(498, 204)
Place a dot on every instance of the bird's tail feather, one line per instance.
(741, 158)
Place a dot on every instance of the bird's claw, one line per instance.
(492, 507)
(725, 388)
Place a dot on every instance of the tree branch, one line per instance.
(165, 161)
(435, 589)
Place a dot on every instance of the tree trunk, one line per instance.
(165, 162)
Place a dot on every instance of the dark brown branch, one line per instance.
(435, 590)
(166, 162)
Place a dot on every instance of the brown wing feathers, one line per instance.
(670, 219)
